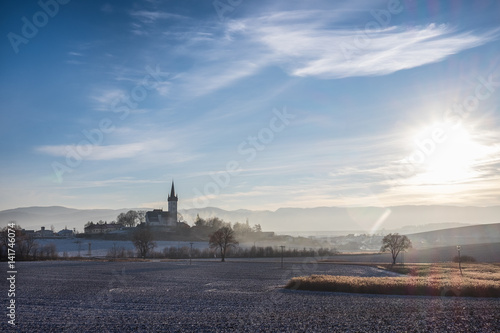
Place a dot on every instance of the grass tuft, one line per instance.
(478, 280)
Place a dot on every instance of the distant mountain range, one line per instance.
(307, 221)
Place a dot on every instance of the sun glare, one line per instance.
(447, 155)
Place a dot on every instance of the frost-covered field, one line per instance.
(209, 296)
(99, 248)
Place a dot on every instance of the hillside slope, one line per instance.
(475, 234)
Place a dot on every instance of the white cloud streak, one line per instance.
(311, 47)
(313, 44)
(147, 16)
(96, 153)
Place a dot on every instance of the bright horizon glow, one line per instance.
(263, 106)
(452, 160)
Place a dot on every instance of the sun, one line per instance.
(450, 155)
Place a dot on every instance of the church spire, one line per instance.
(172, 196)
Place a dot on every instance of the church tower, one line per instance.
(172, 206)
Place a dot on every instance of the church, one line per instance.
(160, 218)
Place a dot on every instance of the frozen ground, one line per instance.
(209, 296)
(99, 248)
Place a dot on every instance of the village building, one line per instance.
(103, 228)
(43, 233)
(66, 233)
(167, 219)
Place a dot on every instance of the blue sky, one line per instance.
(249, 104)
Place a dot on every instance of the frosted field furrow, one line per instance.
(224, 297)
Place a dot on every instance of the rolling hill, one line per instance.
(475, 234)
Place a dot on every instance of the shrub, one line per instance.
(48, 251)
(464, 259)
(117, 252)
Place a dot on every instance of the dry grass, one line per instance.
(478, 280)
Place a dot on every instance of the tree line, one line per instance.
(25, 246)
(185, 252)
(222, 239)
(131, 218)
(221, 235)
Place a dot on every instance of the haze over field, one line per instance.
(321, 221)
(276, 108)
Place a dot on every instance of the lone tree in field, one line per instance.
(223, 239)
(143, 240)
(395, 243)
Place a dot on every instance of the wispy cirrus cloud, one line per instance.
(304, 45)
(150, 16)
(104, 100)
(152, 146)
(145, 19)
(96, 153)
(215, 78)
(315, 44)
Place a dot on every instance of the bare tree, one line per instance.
(49, 251)
(199, 222)
(242, 229)
(129, 219)
(141, 216)
(25, 243)
(223, 239)
(216, 223)
(143, 240)
(395, 243)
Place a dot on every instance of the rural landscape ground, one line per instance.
(236, 296)
(344, 156)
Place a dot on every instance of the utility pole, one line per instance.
(190, 253)
(79, 242)
(282, 247)
(459, 260)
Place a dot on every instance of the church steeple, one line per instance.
(172, 206)
(172, 196)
